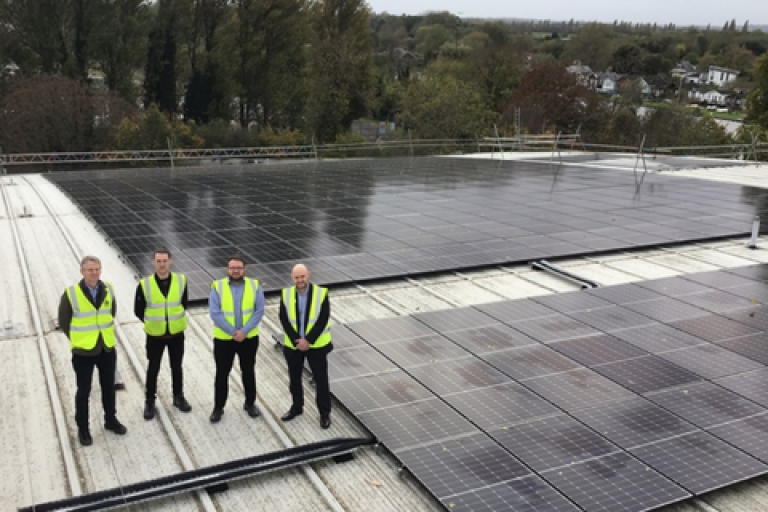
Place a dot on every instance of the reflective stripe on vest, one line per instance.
(250, 287)
(318, 297)
(88, 322)
(164, 314)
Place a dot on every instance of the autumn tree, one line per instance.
(552, 98)
(46, 113)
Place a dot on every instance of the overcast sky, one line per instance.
(681, 13)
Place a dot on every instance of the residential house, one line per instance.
(585, 74)
(718, 76)
(685, 73)
(654, 86)
(607, 83)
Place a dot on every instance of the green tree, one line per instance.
(593, 45)
(757, 101)
(442, 106)
(207, 94)
(161, 70)
(627, 59)
(119, 43)
(340, 68)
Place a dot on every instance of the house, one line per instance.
(655, 86)
(708, 97)
(685, 72)
(718, 76)
(584, 73)
(607, 83)
(10, 69)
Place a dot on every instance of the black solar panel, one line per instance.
(624, 398)
(615, 483)
(365, 218)
(459, 465)
(700, 462)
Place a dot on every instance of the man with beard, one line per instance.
(236, 306)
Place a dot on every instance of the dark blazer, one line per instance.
(322, 319)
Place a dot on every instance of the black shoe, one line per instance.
(119, 386)
(216, 415)
(252, 410)
(149, 409)
(290, 415)
(181, 403)
(116, 427)
(325, 422)
(84, 437)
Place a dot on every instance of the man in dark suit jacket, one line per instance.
(305, 314)
(86, 315)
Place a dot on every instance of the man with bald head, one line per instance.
(305, 314)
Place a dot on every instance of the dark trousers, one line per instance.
(224, 354)
(84, 365)
(155, 348)
(318, 363)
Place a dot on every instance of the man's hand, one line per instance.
(302, 344)
(239, 336)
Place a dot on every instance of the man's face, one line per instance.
(300, 278)
(91, 273)
(162, 263)
(235, 270)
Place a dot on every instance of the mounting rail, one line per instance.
(548, 267)
(213, 478)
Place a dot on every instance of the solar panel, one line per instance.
(705, 404)
(465, 212)
(700, 462)
(605, 401)
(531, 361)
(500, 405)
(647, 373)
(553, 442)
(710, 361)
(615, 483)
(527, 494)
(459, 465)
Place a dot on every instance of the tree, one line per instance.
(627, 59)
(207, 96)
(340, 66)
(272, 36)
(119, 43)
(593, 45)
(442, 106)
(757, 101)
(552, 98)
(46, 113)
(161, 71)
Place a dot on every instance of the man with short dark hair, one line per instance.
(161, 303)
(236, 306)
(305, 314)
(86, 315)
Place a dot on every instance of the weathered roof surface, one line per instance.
(42, 460)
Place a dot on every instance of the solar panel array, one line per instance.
(369, 219)
(623, 398)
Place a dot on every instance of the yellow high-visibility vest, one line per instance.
(250, 287)
(318, 296)
(89, 322)
(164, 314)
